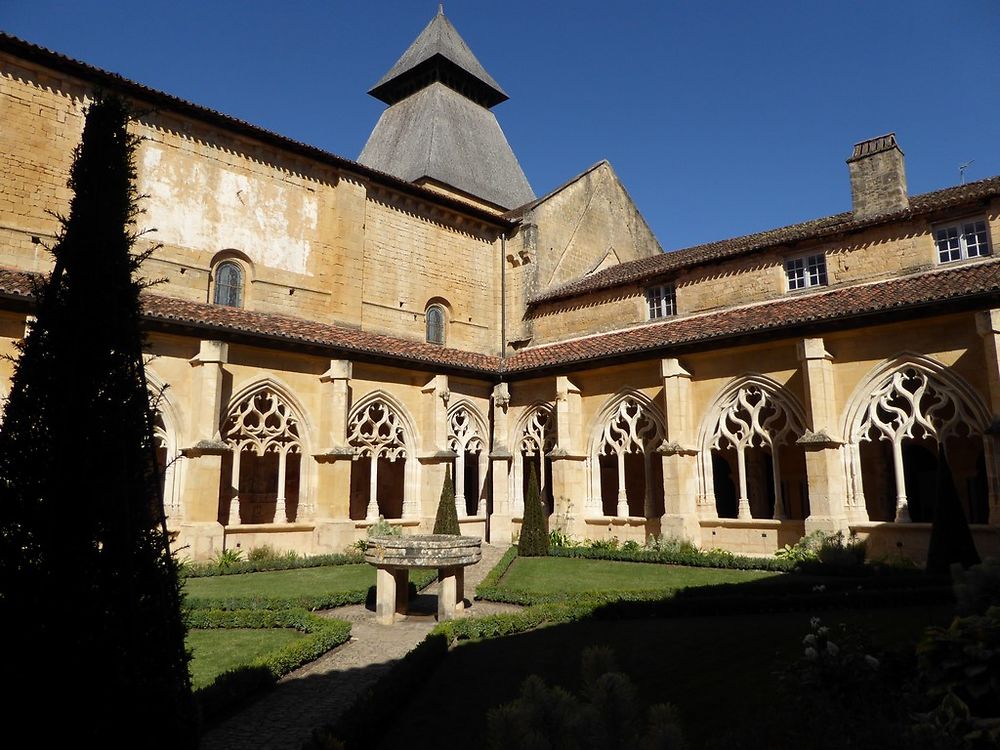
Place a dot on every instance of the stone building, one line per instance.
(330, 335)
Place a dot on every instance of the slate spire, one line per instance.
(438, 127)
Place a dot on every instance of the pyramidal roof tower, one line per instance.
(438, 128)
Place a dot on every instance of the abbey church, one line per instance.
(331, 336)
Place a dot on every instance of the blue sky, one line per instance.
(721, 117)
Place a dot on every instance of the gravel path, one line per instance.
(316, 693)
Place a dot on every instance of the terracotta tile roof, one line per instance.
(979, 281)
(137, 91)
(283, 328)
(641, 270)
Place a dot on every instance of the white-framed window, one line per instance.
(662, 301)
(228, 284)
(806, 271)
(435, 320)
(967, 239)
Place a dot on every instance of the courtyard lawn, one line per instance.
(300, 582)
(719, 671)
(562, 575)
(217, 651)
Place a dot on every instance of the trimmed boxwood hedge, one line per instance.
(208, 569)
(233, 687)
(693, 559)
(418, 579)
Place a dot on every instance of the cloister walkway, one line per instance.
(315, 694)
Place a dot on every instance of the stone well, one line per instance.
(394, 557)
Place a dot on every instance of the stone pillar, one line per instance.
(386, 584)
(201, 531)
(821, 442)
(447, 593)
(435, 457)
(679, 455)
(334, 529)
(499, 523)
(988, 326)
(569, 476)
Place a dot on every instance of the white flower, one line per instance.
(809, 640)
(814, 622)
(820, 588)
(871, 661)
(823, 630)
(811, 654)
(832, 648)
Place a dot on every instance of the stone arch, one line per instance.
(621, 457)
(469, 438)
(759, 420)
(533, 437)
(384, 436)
(166, 428)
(912, 404)
(267, 432)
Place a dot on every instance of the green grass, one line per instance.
(218, 651)
(560, 575)
(719, 671)
(284, 583)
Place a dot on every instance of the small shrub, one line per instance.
(840, 552)
(605, 714)
(534, 541)
(804, 550)
(559, 538)
(610, 543)
(447, 515)
(266, 553)
(978, 588)
(227, 559)
(631, 546)
(670, 544)
(381, 528)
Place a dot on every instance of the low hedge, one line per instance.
(208, 569)
(491, 581)
(693, 559)
(231, 688)
(419, 579)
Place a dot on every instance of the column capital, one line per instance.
(671, 368)
(340, 369)
(988, 322)
(808, 349)
(211, 352)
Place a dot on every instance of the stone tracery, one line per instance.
(262, 424)
(375, 432)
(754, 416)
(465, 435)
(631, 429)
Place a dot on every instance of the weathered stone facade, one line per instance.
(751, 412)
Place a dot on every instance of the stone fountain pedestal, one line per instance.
(394, 557)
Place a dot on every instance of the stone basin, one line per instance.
(423, 551)
(394, 556)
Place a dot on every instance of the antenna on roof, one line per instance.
(962, 167)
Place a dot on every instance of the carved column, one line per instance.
(988, 326)
(333, 490)
(823, 444)
(500, 457)
(435, 456)
(679, 455)
(201, 530)
(569, 481)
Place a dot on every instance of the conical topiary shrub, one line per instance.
(951, 538)
(446, 521)
(534, 540)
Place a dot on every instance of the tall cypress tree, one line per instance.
(446, 521)
(87, 581)
(534, 539)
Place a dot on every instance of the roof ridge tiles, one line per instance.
(642, 269)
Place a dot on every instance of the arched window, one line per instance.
(229, 284)
(435, 319)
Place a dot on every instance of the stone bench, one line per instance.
(394, 557)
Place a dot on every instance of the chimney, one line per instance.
(878, 177)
